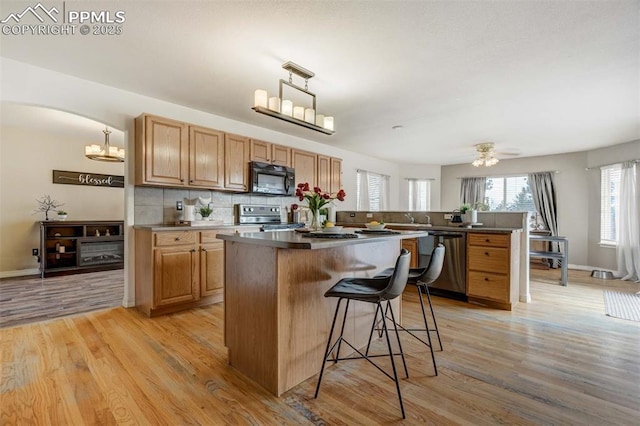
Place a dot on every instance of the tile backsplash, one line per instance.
(157, 206)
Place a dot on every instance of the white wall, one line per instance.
(26, 84)
(578, 193)
(27, 158)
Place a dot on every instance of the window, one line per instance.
(419, 194)
(509, 194)
(609, 203)
(372, 193)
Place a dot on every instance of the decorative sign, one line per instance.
(87, 179)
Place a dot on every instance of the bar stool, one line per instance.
(421, 278)
(376, 291)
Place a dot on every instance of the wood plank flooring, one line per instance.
(557, 360)
(33, 299)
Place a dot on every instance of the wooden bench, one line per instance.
(563, 255)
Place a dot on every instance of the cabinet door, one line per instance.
(163, 152)
(305, 165)
(211, 269)
(206, 157)
(176, 275)
(336, 174)
(260, 151)
(281, 155)
(236, 166)
(324, 173)
(411, 245)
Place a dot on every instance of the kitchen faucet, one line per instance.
(408, 216)
(428, 218)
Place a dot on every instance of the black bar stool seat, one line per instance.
(376, 291)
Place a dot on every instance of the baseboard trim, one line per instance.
(588, 268)
(19, 273)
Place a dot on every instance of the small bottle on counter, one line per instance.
(97, 233)
(107, 233)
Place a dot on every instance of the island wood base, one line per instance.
(277, 319)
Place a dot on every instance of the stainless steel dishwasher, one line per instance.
(453, 279)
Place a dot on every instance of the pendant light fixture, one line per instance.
(486, 155)
(284, 109)
(106, 152)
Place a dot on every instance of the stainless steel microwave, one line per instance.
(270, 179)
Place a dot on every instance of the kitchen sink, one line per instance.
(400, 225)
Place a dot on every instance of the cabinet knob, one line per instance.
(487, 240)
(192, 250)
(181, 180)
(177, 239)
(204, 249)
(486, 253)
(486, 279)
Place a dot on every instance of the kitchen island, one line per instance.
(277, 319)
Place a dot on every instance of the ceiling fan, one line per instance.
(487, 156)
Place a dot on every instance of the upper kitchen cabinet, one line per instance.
(329, 173)
(206, 157)
(162, 150)
(267, 152)
(336, 175)
(236, 168)
(306, 165)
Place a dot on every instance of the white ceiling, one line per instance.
(534, 77)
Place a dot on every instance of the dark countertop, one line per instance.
(295, 240)
(424, 227)
(161, 228)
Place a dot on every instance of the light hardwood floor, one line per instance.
(557, 360)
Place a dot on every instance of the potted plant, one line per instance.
(470, 214)
(205, 212)
(62, 215)
(316, 200)
(46, 204)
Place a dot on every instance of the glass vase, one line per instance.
(315, 224)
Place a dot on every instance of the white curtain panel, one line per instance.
(363, 191)
(628, 250)
(384, 193)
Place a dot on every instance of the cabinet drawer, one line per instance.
(207, 237)
(174, 238)
(488, 259)
(489, 286)
(490, 240)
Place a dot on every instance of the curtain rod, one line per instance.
(368, 171)
(419, 178)
(611, 164)
(507, 175)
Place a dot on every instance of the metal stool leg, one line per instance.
(336, 355)
(395, 327)
(433, 315)
(393, 363)
(326, 352)
(426, 326)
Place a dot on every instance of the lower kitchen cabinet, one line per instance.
(177, 270)
(492, 268)
(411, 245)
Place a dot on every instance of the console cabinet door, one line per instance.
(236, 170)
(176, 275)
(162, 149)
(305, 165)
(206, 157)
(211, 269)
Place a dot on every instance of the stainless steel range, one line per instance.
(270, 217)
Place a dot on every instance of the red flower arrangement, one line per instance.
(316, 199)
